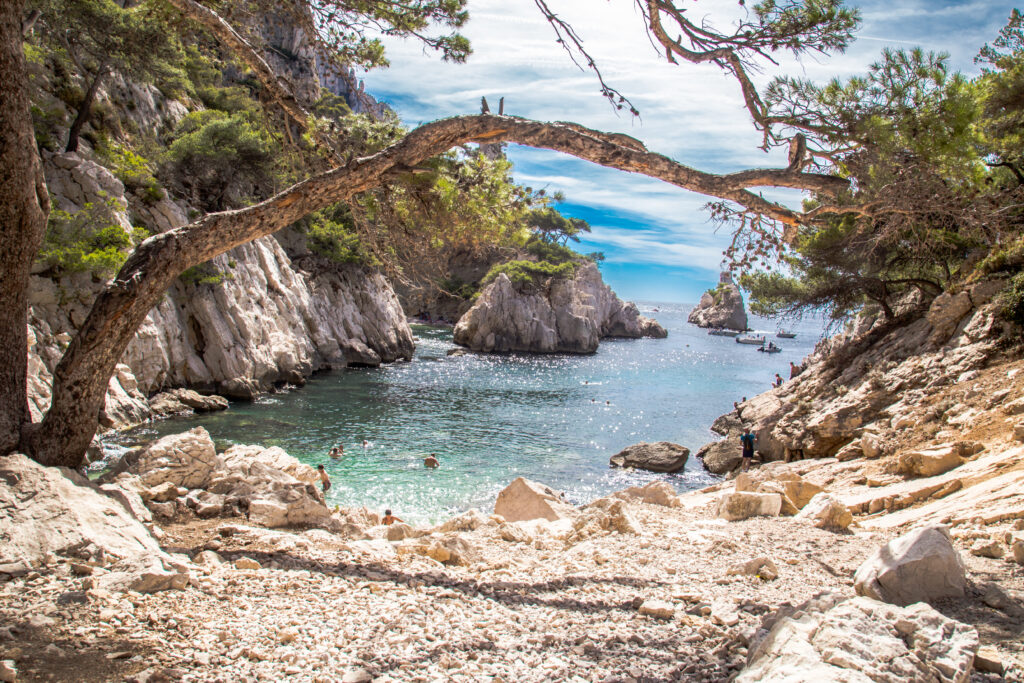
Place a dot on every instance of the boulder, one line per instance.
(761, 567)
(1017, 548)
(469, 520)
(649, 327)
(451, 549)
(54, 511)
(945, 313)
(929, 462)
(827, 511)
(859, 639)
(604, 515)
(920, 566)
(198, 402)
(796, 492)
(659, 609)
(655, 493)
(662, 456)
(743, 504)
(524, 500)
(721, 457)
(399, 531)
(720, 307)
(145, 574)
(185, 460)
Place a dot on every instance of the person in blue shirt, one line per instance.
(747, 440)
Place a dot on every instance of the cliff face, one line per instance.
(272, 318)
(860, 391)
(561, 316)
(721, 307)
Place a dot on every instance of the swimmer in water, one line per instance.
(366, 444)
(431, 461)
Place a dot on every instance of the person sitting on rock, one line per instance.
(747, 441)
(324, 479)
(778, 380)
(431, 461)
(390, 519)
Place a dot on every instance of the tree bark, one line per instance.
(24, 206)
(80, 380)
(85, 109)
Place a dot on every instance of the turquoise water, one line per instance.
(489, 419)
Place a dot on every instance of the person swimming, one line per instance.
(431, 461)
(337, 451)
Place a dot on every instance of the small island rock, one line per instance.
(720, 307)
(663, 456)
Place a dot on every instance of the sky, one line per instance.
(657, 240)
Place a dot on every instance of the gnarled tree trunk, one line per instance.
(24, 205)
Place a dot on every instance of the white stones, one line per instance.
(356, 675)
(208, 558)
(657, 608)
(919, 566)
(247, 563)
(1017, 550)
(524, 500)
(8, 671)
(186, 460)
(830, 639)
(794, 489)
(827, 511)
(743, 504)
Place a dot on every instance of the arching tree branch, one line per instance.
(81, 378)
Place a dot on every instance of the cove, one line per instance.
(555, 419)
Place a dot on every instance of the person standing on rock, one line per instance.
(747, 441)
(794, 369)
(324, 479)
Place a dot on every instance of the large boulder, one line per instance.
(524, 500)
(859, 639)
(48, 511)
(826, 511)
(796, 492)
(920, 566)
(186, 460)
(662, 456)
(743, 504)
(720, 307)
(721, 457)
(928, 462)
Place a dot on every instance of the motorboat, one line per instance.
(750, 339)
(721, 332)
(783, 334)
(769, 348)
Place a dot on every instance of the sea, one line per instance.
(555, 419)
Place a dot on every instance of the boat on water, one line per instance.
(721, 332)
(770, 347)
(783, 334)
(750, 339)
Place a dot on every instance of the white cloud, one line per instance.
(693, 114)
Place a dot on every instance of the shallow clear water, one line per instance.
(489, 419)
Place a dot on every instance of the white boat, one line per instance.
(750, 339)
(783, 334)
(720, 332)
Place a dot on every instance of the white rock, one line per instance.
(761, 567)
(919, 566)
(247, 563)
(186, 460)
(930, 461)
(8, 671)
(743, 504)
(524, 500)
(827, 511)
(988, 548)
(655, 493)
(861, 640)
(657, 608)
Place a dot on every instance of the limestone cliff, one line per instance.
(264, 317)
(560, 316)
(861, 390)
(720, 307)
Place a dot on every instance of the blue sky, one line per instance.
(657, 239)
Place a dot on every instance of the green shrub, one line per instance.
(205, 274)
(1012, 299)
(130, 168)
(531, 273)
(550, 251)
(331, 234)
(89, 240)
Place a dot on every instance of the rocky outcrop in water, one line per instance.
(560, 316)
(721, 307)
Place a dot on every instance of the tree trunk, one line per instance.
(85, 109)
(24, 205)
(80, 380)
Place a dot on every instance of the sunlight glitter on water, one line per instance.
(555, 419)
